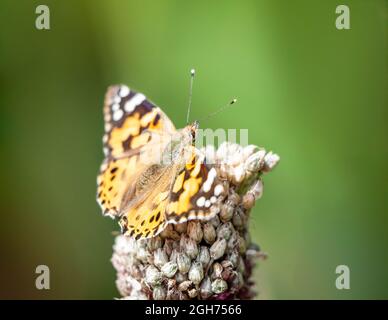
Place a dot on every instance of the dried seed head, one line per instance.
(256, 189)
(235, 157)
(155, 243)
(192, 293)
(237, 281)
(169, 269)
(170, 233)
(189, 246)
(209, 233)
(223, 168)
(174, 294)
(142, 243)
(255, 162)
(159, 293)
(233, 241)
(168, 246)
(237, 174)
(184, 263)
(247, 238)
(233, 198)
(196, 272)
(171, 283)
(238, 219)
(228, 274)
(122, 285)
(204, 256)
(234, 258)
(217, 250)
(135, 272)
(201, 259)
(194, 230)
(219, 286)
(180, 277)
(174, 235)
(270, 161)
(206, 288)
(143, 254)
(241, 266)
(167, 231)
(248, 201)
(118, 262)
(215, 221)
(226, 213)
(224, 231)
(136, 296)
(124, 245)
(174, 255)
(217, 270)
(242, 248)
(153, 277)
(226, 264)
(160, 258)
(249, 150)
(185, 285)
(181, 227)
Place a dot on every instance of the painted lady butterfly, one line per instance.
(135, 182)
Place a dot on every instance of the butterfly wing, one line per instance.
(130, 121)
(145, 194)
(145, 218)
(197, 192)
(193, 192)
(134, 126)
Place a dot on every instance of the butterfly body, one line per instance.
(152, 174)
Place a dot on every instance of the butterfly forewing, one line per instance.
(133, 126)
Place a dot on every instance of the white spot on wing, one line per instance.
(108, 127)
(210, 179)
(124, 91)
(117, 115)
(218, 190)
(201, 202)
(207, 203)
(115, 99)
(115, 107)
(132, 103)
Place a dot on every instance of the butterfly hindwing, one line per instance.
(145, 217)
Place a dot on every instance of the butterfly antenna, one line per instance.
(221, 109)
(192, 74)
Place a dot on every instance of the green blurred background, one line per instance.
(314, 94)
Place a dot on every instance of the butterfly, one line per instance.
(152, 174)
